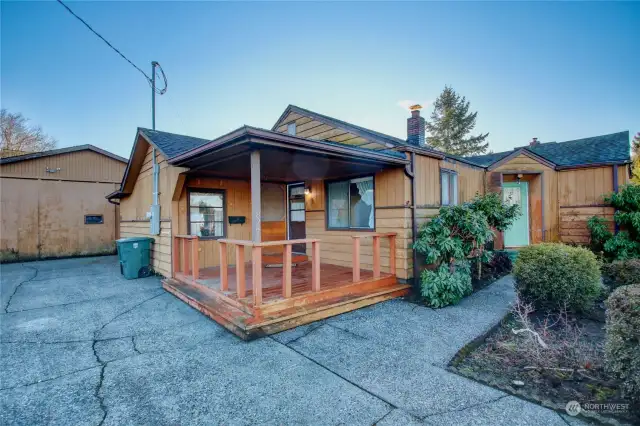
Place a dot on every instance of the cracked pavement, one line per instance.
(82, 345)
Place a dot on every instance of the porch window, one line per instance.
(206, 213)
(350, 204)
(448, 187)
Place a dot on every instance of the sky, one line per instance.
(555, 71)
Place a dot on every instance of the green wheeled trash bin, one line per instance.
(134, 255)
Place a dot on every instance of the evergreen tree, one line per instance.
(451, 124)
(635, 167)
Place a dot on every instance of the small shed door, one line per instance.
(518, 233)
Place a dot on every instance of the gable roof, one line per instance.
(605, 149)
(172, 144)
(387, 141)
(351, 128)
(51, 152)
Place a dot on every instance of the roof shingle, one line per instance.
(604, 149)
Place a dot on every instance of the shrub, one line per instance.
(621, 272)
(624, 244)
(622, 341)
(444, 287)
(556, 276)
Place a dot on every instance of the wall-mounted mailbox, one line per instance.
(237, 220)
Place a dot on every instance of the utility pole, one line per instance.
(153, 94)
(155, 207)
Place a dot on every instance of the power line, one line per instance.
(149, 80)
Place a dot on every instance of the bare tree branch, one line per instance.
(18, 137)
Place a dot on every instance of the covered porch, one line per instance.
(247, 266)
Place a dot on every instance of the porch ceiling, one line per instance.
(279, 165)
(283, 158)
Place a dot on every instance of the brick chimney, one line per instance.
(534, 142)
(416, 127)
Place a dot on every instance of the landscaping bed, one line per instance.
(574, 373)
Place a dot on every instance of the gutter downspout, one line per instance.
(414, 227)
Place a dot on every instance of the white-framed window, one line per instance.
(448, 187)
(291, 129)
(351, 204)
(206, 213)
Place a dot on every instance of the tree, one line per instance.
(450, 125)
(18, 137)
(635, 167)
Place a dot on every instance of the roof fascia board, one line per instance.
(281, 118)
(523, 151)
(592, 165)
(60, 151)
(252, 135)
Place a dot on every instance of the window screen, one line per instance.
(206, 214)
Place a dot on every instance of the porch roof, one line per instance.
(285, 158)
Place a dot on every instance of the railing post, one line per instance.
(256, 261)
(315, 266)
(195, 259)
(175, 256)
(392, 254)
(241, 288)
(376, 256)
(224, 276)
(185, 257)
(286, 271)
(355, 260)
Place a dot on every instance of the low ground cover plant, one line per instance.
(556, 276)
(622, 347)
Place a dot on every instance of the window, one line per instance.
(291, 129)
(93, 219)
(350, 204)
(206, 213)
(448, 187)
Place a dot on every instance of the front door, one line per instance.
(518, 233)
(296, 216)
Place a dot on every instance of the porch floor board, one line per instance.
(338, 294)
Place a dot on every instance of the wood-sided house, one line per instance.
(264, 230)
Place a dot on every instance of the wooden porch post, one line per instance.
(376, 256)
(175, 256)
(240, 274)
(392, 254)
(356, 259)
(256, 217)
(185, 256)
(195, 259)
(286, 271)
(315, 266)
(224, 276)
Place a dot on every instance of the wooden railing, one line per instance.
(256, 264)
(376, 253)
(181, 264)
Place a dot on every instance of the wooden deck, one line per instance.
(277, 312)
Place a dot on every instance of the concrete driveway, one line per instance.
(81, 345)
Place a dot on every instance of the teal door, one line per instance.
(518, 233)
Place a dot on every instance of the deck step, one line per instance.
(250, 327)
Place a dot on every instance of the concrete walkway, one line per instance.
(81, 345)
